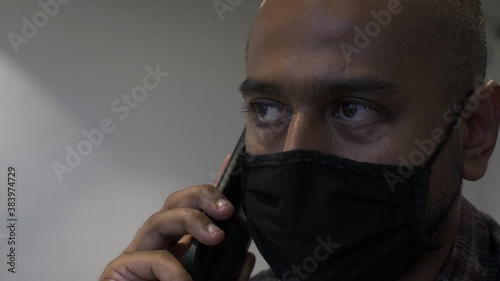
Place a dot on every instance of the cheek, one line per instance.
(263, 140)
(388, 143)
(253, 145)
(370, 137)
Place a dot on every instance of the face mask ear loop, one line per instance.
(420, 192)
(418, 212)
(449, 131)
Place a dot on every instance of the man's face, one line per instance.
(372, 105)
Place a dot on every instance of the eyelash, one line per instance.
(248, 109)
(359, 104)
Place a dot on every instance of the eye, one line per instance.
(356, 113)
(266, 112)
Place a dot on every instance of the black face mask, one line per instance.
(315, 216)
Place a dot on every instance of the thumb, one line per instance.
(222, 167)
(246, 269)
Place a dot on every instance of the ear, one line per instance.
(482, 119)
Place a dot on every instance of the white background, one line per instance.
(65, 79)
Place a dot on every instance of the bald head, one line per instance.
(450, 32)
(461, 23)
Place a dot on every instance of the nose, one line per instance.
(308, 131)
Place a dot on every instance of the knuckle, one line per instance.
(153, 219)
(203, 195)
(194, 221)
(190, 215)
(176, 196)
(121, 273)
(152, 222)
(210, 191)
(171, 197)
(180, 275)
(116, 270)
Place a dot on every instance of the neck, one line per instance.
(428, 267)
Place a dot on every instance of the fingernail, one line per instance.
(212, 229)
(222, 202)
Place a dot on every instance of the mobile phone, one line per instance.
(223, 262)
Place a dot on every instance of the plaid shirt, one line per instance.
(475, 255)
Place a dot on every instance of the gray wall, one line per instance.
(65, 79)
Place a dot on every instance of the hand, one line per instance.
(159, 245)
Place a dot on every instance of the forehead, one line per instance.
(312, 18)
(306, 40)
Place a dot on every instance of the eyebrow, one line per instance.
(324, 88)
